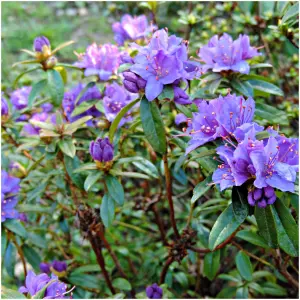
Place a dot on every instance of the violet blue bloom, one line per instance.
(35, 283)
(115, 98)
(272, 166)
(23, 217)
(181, 97)
(40, 42)
(47, 107)
(133, 83)
(262, 197)
(4, 107)
(44, 267)
(181, 118)
(9, 190)
(154, 291)
(19, 98)
(224, 54)
(131, 28)
(59, 266)
(102, 61)
(69, 102)
(102, 150)
(163, 61)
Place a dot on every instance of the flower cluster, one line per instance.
(265, 164)
(102, 61)
(224, 54)
(9, 190)
(69, 102)
(154, 291)
(19, 97)
(55, 289)
(115, 98)
(131, 29)
(102, 150)
(163, 61)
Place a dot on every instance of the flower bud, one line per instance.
(40, 43)
(141, 83)
(257, 194)
(102, 150)
(45, 267)
(180, 96)
(250, 199)
(269, 192)
(51, 62)
(154, 292)
(130, 76)
(59, 266)
(130, 86)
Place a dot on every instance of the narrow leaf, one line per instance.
(115, 189)
(56, 86)
(244, 265)
(36, 90)
(211, 264)
(107, 210)
(91, 180)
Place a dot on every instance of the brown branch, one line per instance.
(169, 195)
(101, 262)
(21, 254)
(199, 250)
(159, 224)
(165, 270)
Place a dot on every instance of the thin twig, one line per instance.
(165, 269)
(21, 254)
(169, 195)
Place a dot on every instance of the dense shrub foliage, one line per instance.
(159, 160)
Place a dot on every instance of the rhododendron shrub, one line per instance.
(157, 165)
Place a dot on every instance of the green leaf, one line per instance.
(273, 289)
(82, 107)
(34, 208)
(124, 67)
(71, 128)
(10, 294)
(115, 189)
(23, 73)
(10, 259)
(91, 180)
(243, 87)
(121, 284)
(167, 93)
(72, 164)
(120, 115)
(252, 238)
(211, 264)
(287, 229)
(43, 125)
(244, 265)
(85, 281)
(153, 125)
(261, 65)
(15, 226)
(32, 257)
(147, 167)
(3, 242)
(242, 292)
(87, 268)
(266, 225)
(69, 66)
(266, 87)
(201, 188)
(129, 174)
(35, 91)
(262, 135)
(227, 293)
(56, 86)
(213, 85)
(271, 114)
(292, 12)
(85, 167)
(224, 227)
(240, 202)
(107, 210)
(67, 147)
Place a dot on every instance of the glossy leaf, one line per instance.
(72, 164)
(115, 189)
(211, 264)
(265, 86)
(32, 257)
(244, 265)
(92, 179)
(67, 147)
(240, 202)
(55, 86)
(10, 259)
(242, 292)
(153, 125)
(167, 93)
(107, 210)
(252, 238)
(85, 281)
(201, 188)
(15, 226)
(37, 88)
(121, 284)
(266, 225)
(243, 87)
(10, 294)
(224, 227)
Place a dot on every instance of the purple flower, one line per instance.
(35, 283)
(23, 217)
(163, 61)
(102, 150)
(180, 96)
(181, 118)
(222, 117)
(272, 166)
(39, 43)
(224, 54)
(69, 102)
(131, 28)
(115, 98)
(47, 107)
(154, 292)
(59, 266)
(4, 107)
(262, 197)
(9, 190)
(19, 98)
(133, 83)
(45, 267)
(100, 60)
